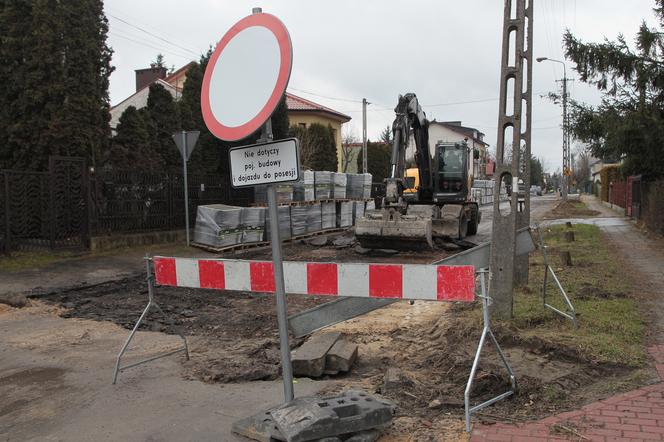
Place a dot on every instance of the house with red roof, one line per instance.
(301, 112)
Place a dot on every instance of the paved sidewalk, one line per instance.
(633, 416)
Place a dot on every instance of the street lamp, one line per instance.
(566, 147)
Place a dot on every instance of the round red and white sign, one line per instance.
(246, 76)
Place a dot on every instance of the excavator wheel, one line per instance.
(474, 222)
(463, 226)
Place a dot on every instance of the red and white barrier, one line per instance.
(405, 281)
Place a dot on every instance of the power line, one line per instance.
(154, 35)
(349, 100)
(143, 43)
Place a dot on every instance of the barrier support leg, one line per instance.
(571, 311)
(486, 330)
(151, 303)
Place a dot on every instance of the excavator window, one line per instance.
(451, 167)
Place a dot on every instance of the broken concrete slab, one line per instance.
(317, 241)
(341, 357)
(392, 379)
(351, 412)
(259, 427)
(309, 359)
(343, 242)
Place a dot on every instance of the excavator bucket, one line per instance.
(451, 224)
(389, 229)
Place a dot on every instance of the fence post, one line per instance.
(8, 230)
(85, 199)
(51, 201)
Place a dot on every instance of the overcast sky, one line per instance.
(447, 52)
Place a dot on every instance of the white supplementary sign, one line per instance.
(274, 162)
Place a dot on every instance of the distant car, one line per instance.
(536, 190)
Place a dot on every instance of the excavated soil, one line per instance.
(571, 209)
(233, 338)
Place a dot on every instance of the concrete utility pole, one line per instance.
(514, 57)
(522, 262)
(567, 166)
(364, 135)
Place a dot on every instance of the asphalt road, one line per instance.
(539, 206)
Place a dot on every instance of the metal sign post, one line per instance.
(185, 142)
(270, 162)
(244, 81)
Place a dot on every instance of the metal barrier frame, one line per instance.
(469, 410)
(571, 313)
(486, 330)
(151, 303)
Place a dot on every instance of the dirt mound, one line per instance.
(571, 209)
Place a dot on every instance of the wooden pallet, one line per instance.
(256, 245)
(309, 203)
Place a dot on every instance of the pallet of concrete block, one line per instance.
(298, 220)
(218, 225)
(308, 185)
(358, 210)
(253, 224)
(314, 218)
(284, 219)
(339, 186)
(344, 213)
(328, 215)
(358, 185)
(371, 205)
(286, 192)
(323, 185)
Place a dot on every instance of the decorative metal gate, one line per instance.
(44, 209)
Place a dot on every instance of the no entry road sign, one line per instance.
(265, 163)
(246, 76)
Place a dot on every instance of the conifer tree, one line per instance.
(132, 146)
(54, 76)
(629, 123)
(162, 113)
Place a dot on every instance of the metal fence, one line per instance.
(124, 202)
(65, 206)
(44, 209)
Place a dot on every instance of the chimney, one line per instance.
(145, 77)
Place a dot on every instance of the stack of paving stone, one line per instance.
(253, 224)
(314, 219)
(354, 186)
(345, 213)
(218, 225)
(328, 215)
(323, 184)
(339, 188)
(298, 219)
(284, 219)
(308, 183)
(358, 210)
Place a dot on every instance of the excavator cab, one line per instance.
(452, 172)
